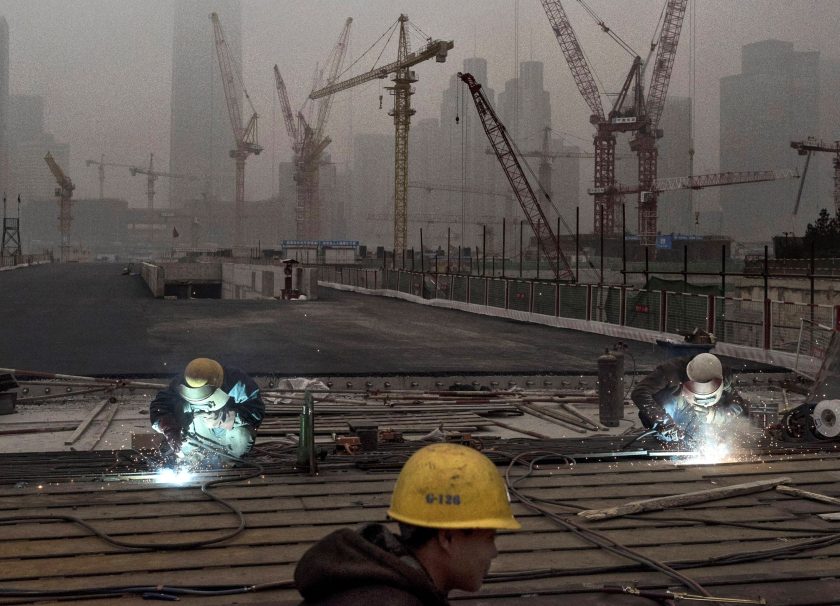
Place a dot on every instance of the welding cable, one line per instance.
(669, 568)
(160, 592)
(142, 546)
(590, 535)
(641, 436)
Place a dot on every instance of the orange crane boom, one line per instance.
(64, 193)
(244, 136)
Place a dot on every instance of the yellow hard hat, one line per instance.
(203, 379)
(451, 486)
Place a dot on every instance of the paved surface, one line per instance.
(88, 319)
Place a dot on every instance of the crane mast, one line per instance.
(644, 143)
(635, 117)
(813, 145)
(244, 136)
(605, 125)
(101, 164)
(152, 176)
(401, 112)
(496, 133)
(64, 193)
(309, 144)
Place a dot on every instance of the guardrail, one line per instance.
(755, 324)
(23, 260)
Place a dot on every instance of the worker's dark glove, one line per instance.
(668, 431)
(173, 433)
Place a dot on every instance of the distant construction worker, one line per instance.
(210, 405)
(449, 500)
(683, 395)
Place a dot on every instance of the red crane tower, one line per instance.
(644, 143)
(308, 144)
(629, 112)
(497, 134)
(245, 136)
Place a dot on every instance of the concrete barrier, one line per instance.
(240, 281)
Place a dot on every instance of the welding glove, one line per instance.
(668, 431)
(170, 429)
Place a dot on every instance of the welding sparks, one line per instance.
(179, 476)
(711, 452)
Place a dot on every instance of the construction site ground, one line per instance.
(69, 452)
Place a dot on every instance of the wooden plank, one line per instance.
(681, 500)
(86, 422)
(798, 492)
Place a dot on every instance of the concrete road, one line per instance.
(88, 319)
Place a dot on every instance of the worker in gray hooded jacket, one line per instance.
(449, 501)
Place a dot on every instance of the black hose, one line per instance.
(142, 546)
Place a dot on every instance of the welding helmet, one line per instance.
(451, 486)
(202, 385)
(705, 380)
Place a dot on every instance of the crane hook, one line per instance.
(380, 101)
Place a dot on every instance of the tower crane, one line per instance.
(308, 144)
(404, 77)
(152, 176)
(703, 181)
(806, 148)
(644, 143)
(429, 186)
(64, 193)
(497, 134)
(102, 164)
(629, 112)
(545, 154)
(244, 136)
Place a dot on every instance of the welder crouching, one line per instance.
(208, 415)
(684, 397)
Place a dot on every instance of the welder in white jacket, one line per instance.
(212, 405)
(684, 395)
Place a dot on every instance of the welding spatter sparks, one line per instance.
(169, 475)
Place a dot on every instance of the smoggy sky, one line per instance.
(104, 66)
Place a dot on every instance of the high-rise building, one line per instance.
(773, 101)
(28, 144)
(674, 160)
(371, 212)
(525, 109)
(5, 185)
(201, 136)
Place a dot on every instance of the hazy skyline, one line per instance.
(104, 67)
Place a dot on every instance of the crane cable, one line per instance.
(608, 30)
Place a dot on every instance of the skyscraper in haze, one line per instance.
(674, 207)
(4, 106)
(201, 136)
(772, 102)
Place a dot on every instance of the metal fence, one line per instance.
(13, 260)
(769, 324)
